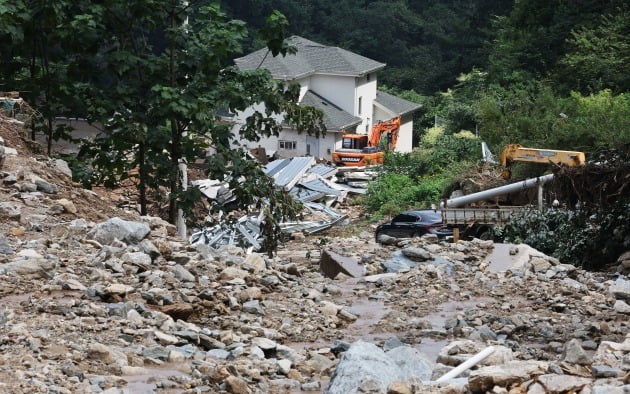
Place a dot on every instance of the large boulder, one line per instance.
(117, 228)
(366, 364)
(35, 267)
(332, 264)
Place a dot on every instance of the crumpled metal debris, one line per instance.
(310, 183)
(244, 232)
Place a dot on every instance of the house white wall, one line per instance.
(344, 92)
(289, 142)
(339, 90)
(366, 92)
(405, 136)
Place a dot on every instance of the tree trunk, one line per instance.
(142, 187)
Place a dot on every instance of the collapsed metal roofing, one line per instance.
(309, 183)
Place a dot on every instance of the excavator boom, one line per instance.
(516, 152)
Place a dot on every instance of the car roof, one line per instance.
(420, 212)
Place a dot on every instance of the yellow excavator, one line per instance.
(515, 152)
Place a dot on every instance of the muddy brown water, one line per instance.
(371, 312)
(147, 382)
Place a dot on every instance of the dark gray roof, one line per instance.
(397, 105)
(311, 58)
(335, 118)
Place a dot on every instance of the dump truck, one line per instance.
(359, 150)
(479, 222)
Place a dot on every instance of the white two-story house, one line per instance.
(340, 83)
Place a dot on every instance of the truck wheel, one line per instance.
(486, 234)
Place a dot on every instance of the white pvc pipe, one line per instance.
(471, 362)
(497, 191)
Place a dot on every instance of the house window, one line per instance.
(287, 145)
(360, 100)
(367, 78)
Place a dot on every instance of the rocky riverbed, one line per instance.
(97, 299)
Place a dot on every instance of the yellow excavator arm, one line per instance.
(516, 152)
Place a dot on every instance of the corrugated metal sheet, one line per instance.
(350, 189)
(323, 170)
(302, 194)
(323, 208)
(292, 172)
(321, 186)
(273, 167)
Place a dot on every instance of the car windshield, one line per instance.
(431, 216)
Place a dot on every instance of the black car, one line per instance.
(411, 224)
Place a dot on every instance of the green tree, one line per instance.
(599, 56)
(157, 84)
(34, 59)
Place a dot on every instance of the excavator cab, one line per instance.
(354, 141)
(361, 149)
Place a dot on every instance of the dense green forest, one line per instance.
(425, 44)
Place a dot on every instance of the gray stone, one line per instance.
(311, 386)
(78, 225)
(411, 363)
(332, 264)
(284, 366)
(387, 240)
(270, 280)
(339, 346)
(391, 343)
(9, 179)
(264, 343)
(575, 354)
(149, 248)
(136, 258)
(221, 354)
(10, 210)
(63, 167)
(621, 289)
(398, 262)
(33, 267)
(5, 248)
(416, 253)
(116, 228)
(365, 362)
(563, 383)
(46, 187)
(156, 352)
(483, 334)
(604, 371)
(511, 373)
(610, 389)
(621, 307)
(254, 307)
(182, 274)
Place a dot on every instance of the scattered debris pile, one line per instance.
(310, 183)
(600, 183)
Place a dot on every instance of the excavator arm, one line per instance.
(390, 127)
(515, 152)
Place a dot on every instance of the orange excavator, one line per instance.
(360, 149)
